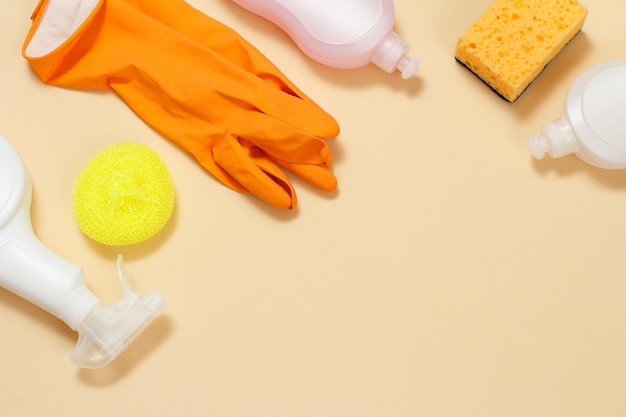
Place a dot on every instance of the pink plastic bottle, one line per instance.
(341, 33)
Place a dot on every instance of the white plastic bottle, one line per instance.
(32, 271)
(341, 33)
(593, 124)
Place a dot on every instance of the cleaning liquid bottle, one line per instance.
(35, 273)
(341, 33)
(593, 124)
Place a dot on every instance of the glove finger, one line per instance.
(206, 160)
(282, 142)
(254, 171)
(297, 111)
(269, 166)
(320, 176)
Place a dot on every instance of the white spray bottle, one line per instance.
(593, 124)
(341, 33)
(32, 271)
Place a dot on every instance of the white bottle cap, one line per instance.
(391, 54)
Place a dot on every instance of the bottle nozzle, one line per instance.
(408, 66)
(108, 331)
(557, 140)
(391, 54)
(538, 146)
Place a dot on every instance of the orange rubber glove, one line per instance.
(195, 81)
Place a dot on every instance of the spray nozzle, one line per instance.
(106, 331)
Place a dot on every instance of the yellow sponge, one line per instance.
(512, 42)
(123, 195)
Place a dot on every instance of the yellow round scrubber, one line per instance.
(123, 195)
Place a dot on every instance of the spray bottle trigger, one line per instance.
(107, 331)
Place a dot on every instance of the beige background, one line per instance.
(450, 275)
